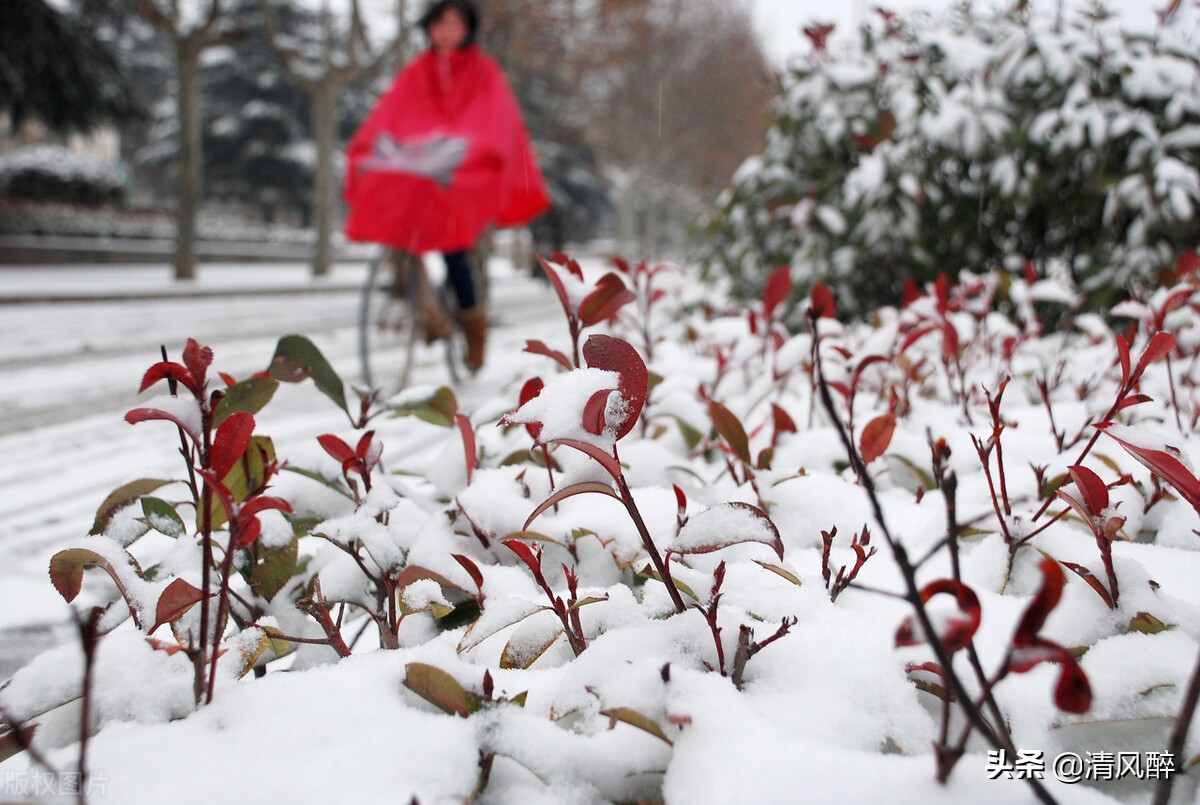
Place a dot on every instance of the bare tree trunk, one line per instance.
(324, 111)
(190, 161)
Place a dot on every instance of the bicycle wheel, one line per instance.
(388, 322)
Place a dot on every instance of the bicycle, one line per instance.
(392, 323)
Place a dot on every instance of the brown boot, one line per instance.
(474, 326)
(433, 316)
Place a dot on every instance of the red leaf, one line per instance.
(149, 414)
(593, 412)
(1164, 465)
(823, 305)
(170, 370)
(227, 379)
(1042, 605)
(680, 502)
(1030, 272)
(230, 443)
(572, 266)
(783, 423)
(1093, 582)
(335, 447)
(532, 388)
(615, 355)
(1160, 345)
(778, 288)
(731, 430)
(911, 293)
(1188, 265)
(472, 570)
(958, 632)
(368, 451)
(468, 439)
(916, 334)
(246, 532)
(605, 460)
(255, 506)
(557, 283)
(1123, 357)
(567, 492)
(197, 359)
(621, 264)
(876, 437)
(817, 34)
(1072, 694)
(603, 303)
(942, 290)
(526, 554)
(1093, 490)
(540, 348)
(949, 340)
(1134, 399)
(174, 602)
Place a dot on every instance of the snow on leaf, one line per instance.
(530, 641)
(122, 497)
(440, 689)
(725, 525)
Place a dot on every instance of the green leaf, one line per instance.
(1145, 623)
(122, 497)
(336, 484)
(249, 396)
(651, 573)
(633, 718)
(273, 569)
(779, 571)
(924, 478)
(297, 359)
(520, 652)
(691, 436)
(162, 517)
(440, 689)
(440, 408)
(583, 602)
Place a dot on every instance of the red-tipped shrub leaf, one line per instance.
(823, 305)
(1160, 346)
(197, 359)
(531, 558)
(593, 412)
(606, 460)
(1072, 694)
(150, 414)
(1162, 464)
(782, 421)
(876, 437)
(174, 602)
(540, 348)
(1124, 359)
(615, 355)
(1187, 265)
(609, 296)
(731, 430)
(1043, 603)
(472, 570)
(1093, 491)
(777, 289)
(1091, 579)
(568, 492)
(468, 440)
(230, 443)
(336, 448)
(557, 283)
(172, 371)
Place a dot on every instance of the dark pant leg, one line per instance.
(460, 277)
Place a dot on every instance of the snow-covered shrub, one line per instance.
(54, 173)
(973, 141)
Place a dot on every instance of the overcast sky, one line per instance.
(779, 21)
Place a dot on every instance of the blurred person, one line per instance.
(443, 155)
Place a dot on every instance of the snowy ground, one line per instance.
(646, 709)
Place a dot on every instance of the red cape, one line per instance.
(436, 162)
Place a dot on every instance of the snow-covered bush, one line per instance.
(970, 141)
(685, 556)
(54, 173)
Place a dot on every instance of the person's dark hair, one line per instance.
(466, 8)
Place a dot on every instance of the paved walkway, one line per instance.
(107, 282)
